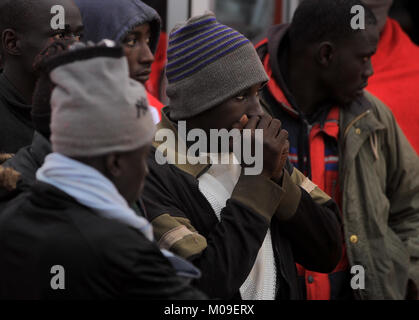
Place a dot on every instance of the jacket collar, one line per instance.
(359, 113)
(14, 100)
(278, 37)
(40, 148)
(358, 124)
(194, 170)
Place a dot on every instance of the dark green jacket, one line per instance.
(379, 176)
(379, 179)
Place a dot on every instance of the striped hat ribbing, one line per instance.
(208, 63)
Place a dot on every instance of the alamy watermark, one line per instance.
(192, 147)
(58, 279)
(358, 20)
(58, 20)
(358, 280)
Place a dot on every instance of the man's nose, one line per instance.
(255, 108)
(145, 56)
(369, 71)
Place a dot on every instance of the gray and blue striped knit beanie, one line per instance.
(208, 63)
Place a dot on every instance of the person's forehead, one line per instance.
(42, 9)
(371, 36)
(141, 28)
(366, 39)
(376, 4)
(41, 16)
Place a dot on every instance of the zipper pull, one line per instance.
(309, 126)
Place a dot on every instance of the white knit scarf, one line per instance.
(92, 189)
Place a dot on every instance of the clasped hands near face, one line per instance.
(275, 144)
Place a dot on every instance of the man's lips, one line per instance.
(361, 88)
(142, 76)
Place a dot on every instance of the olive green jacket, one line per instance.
(379, 177)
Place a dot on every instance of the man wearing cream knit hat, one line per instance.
(74, 234)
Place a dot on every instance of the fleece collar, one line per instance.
(194, 170)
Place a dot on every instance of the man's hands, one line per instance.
(275, 143)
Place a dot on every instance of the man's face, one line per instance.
(352, 66)
(133, 172)
(230, 111)
(36, 38)
(137, 50)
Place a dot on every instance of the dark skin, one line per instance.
(244, 111)
(136, 45)
(20, 47)
(126, 170)
(329, 72)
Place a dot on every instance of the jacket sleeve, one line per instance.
(153, 278)
(311, 221)
(403, 193)
(145, 271)
(226, 253)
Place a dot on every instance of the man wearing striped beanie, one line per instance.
(244, 232)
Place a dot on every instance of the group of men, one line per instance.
(83, 189)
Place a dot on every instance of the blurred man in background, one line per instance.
(396, 71)
(25, 29)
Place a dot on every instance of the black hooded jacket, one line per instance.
(100, 258)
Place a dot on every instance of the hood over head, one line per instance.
(112, 19)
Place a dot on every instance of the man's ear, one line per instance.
(325, 53)
(113, 164)
(10, 42)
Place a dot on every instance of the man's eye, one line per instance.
(130, 42)
(59, 36)
(240, 97)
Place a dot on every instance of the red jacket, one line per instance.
(396, 78)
